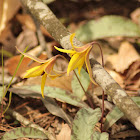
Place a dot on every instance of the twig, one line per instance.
(40, 36)
(26, 122)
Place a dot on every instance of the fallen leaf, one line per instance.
(125, 57)
(7, 78)
(26, 38)
(132, 80)
(63, 82)
(126, 134)
(135, 15)
(8, 8)
(65, 133)
(54, 109)
(117, 77)
(107, 26)
(26, 20)
(12, 63)
(8, 40)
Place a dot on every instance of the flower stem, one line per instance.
(103, 96)
(88, 98)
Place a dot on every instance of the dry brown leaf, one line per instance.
(65, 133)
(26, 38)
(7, 78)
(8, 8)
(12, 63)
(135, 15)
(26, 20)
(63, 82)
(125, 57)
(8, 40)
(117, 77)
(132, 80)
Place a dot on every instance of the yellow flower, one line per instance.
(79, 56)
(45, 69)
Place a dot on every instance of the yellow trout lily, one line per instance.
(45, 69)
(79, 56)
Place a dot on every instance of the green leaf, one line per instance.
(84, 122)
(53, 92)
(23, 132)
(63, 95)
(1, 93)
(76, 87)
(114, 115)
(54, 109)
(100, 136)
(107, 26)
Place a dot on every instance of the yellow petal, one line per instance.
(89, 66)
(32, 57)
(71, 40)
(54, 74)
(81, 64)
(64, 51)
(83, 48)
(76, 61)
(35, 71)
(49, 66)
(43, 84)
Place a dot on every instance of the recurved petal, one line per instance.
(43, 84)
(89, 66)
(71, 40)
(83, 48)
(49, 67)
(32, 57)
(54, 76)
(64, 51)
(35, 71)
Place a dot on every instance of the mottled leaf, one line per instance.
(24, 132)
(76, 87)
(52, 92)
(84, 122)
(54, 109)
(115, 114)
(107, 26)
(112, 117)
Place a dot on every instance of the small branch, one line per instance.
(41, 39)
(116, 93)
(26, 122)
(40, 36)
